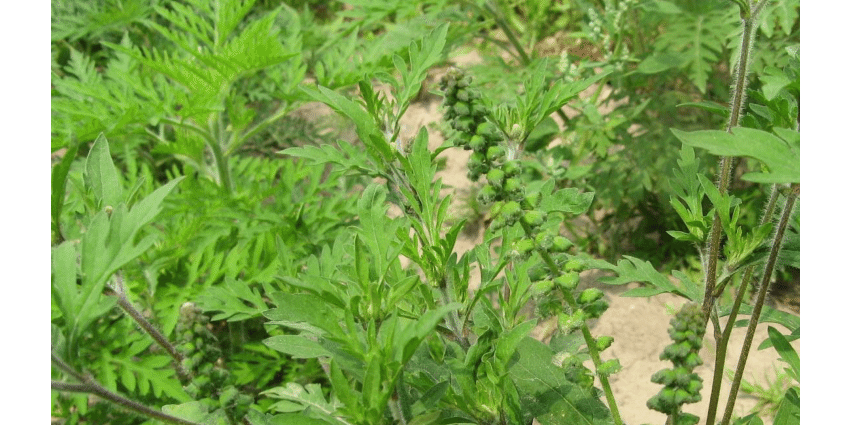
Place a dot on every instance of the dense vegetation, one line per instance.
(219, 256)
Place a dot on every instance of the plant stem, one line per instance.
(725, 172)
(96, 389)
(790, 204)
(723, 341)
(90, 386)
(748, 15)
(722, 345)
(157, 336)
(220, 158)
(585, 332)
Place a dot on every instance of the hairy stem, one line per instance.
(723, 341)
(90, 386)
(736, 107)
(724, 175)
(778, 239)
(151, 330)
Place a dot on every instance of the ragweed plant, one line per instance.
(344, 260)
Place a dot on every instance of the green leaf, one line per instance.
(780, 155)
(371, 389)
(304, 312)
(64, 282)
(768, 315)
(153, 373)
(713, 107)
(632, 269)
(344, 155)
(58, 180)
(782, 13)
(421, 59)
(773, 81)
(788, 410)
(367, 130)
(540, 137)
(375, 226)
(101, 176)
(306, 397)
(234, 299)
(507, 343)
(692, 41)
(412, 337)
(547, 394)
(788, 354)
(284, 419)
(341, 386)
(660, 62)
(660, 6)
(197, 412)
(569, 200)
(297, 346)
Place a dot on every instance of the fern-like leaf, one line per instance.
(693, 42)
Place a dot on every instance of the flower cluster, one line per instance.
(510, 205)
(202, 359)
(681, 384)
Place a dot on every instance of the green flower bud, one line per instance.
(484, 128)
(664, 377)
(524, 246)
(496, 177)
(568, 280)
(573, 265)
(487, 195)
(692, 360)
(495, 153)
(516, 132)
(695, 385)
(476, 166)
(478, 109)
(561, 244)
(603, 342)
(477, 143)
(511, 168)
(192, 390)
(463, 123)
(542, 286)
(681, 384)
(590, 295)
(461, 108)
(513, 185)
(544, 240)
(596, 309)
(609, 367)
(201, 380)
(496, 209)
(228, 395)
(570, 322)
(511, 210)
(534, 218)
